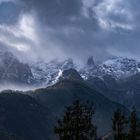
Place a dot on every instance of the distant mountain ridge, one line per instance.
(117, 78)
(42, 74)
(64, 81)
(118, 68)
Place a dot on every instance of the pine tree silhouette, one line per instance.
(119, 125)
(134, 131)
(77, 123)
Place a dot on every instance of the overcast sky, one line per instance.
(48, 29)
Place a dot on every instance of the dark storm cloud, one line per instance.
(60, 13)
(72, 28)
(9, 12)
(55, 12)
(119, 20)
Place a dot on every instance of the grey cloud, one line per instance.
(9, 12)
(79, 28)
(54, 12)
(61, 13)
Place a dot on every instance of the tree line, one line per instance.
(126, 128)
(78, 124)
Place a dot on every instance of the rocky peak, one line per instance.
(12, 70)
(90, 62)
(117, 67)
(68, 64)
(70, 74)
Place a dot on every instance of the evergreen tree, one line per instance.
(119, 125)
(77, 123)
(134, 132)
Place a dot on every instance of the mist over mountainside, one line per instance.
(13, 71)
(48, 73)
(111, 77)
(43, 74)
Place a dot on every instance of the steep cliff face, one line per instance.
(13, 71)
(48, 73)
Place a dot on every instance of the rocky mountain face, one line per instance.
(118, 79)
(13, 71)
(39, 74)
(48, 73)
(70, 74)
(117, 68)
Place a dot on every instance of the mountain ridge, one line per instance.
(42, 74)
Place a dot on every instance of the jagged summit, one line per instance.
(48, 73)
(90, 62)
(70, 74)
(117, 67)
(12, 70)
(120, 67)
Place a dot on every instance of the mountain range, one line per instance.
(109, 85)
(47, 73)
(33, 114)
(116, 78)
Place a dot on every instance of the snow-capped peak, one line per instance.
(49, 73)
(120, 67)
(117, 67)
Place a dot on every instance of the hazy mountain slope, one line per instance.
(13, 71)
(23, 116)
(131, 91)
(8, 136)
(125, 91)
